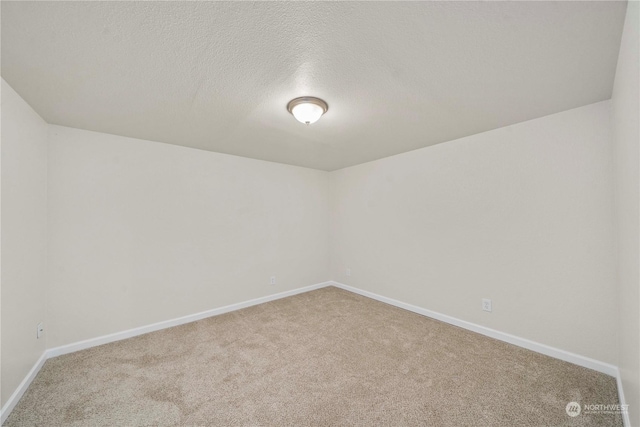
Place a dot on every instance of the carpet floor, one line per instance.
(323, 358)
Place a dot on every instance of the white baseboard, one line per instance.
(625, 415)
(24, 385)
(105, 339)
(81, 345)
(557, 353)
(586, 362)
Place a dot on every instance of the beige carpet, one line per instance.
(323, 358)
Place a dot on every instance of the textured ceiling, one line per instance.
(218, 76)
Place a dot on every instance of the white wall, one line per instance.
(626, 124)
(142, 232)
(522, 215)
(24, 221)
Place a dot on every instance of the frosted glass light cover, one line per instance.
(307, 109)
(307, 113)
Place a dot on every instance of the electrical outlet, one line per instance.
(349, 272)
(272, 281)
(486, 304)
(40, 330)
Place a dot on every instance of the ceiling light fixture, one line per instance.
(307, 109)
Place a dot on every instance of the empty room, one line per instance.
(320, 213)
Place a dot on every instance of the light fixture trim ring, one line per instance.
(308, 100)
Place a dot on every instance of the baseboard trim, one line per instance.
(623, 401)
(105, 339)
(576, 359)
(586, 362)
(24, 385)
(556, 353)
